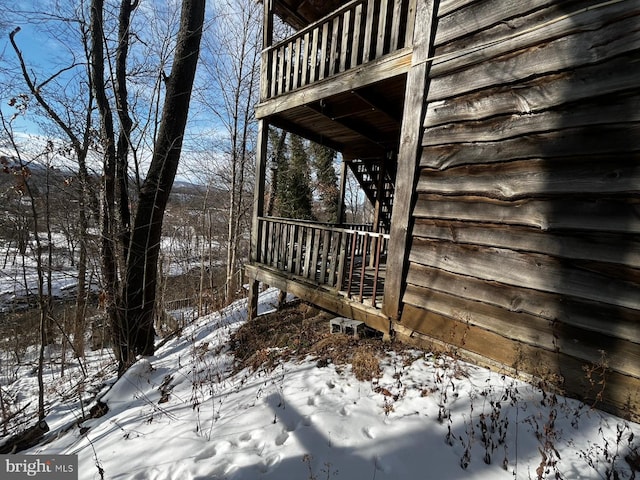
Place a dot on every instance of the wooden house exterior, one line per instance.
(500, 144)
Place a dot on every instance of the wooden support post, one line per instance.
(258, 211)
(415, 102)
(267, 25)
(252, 306)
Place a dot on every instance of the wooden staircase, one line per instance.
(377, 180)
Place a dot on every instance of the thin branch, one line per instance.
(35, 91)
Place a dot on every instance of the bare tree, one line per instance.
(141, 108)
(78, 131)
(43, 250)
(131, 289)
(232, 70)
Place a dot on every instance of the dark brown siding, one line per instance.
(526, 224)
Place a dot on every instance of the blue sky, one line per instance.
(46, 53)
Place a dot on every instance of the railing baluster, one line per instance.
(283, 246)
(308, 249)
(288, 76)
(265, 74)
(334, 55)
(295, 81)
(280, 74)
(277, 245)
(273, 85)
(300, 250)
(411, 19)
(394, 41)
(326, 242)
(364, 266)
(376, 270)
(291, 238)
(316, 251)
(269, 254)
(382, 28)
(356, 59)
(313, 64)
(262, 251)
(344, 46)
(305, 60)
(324, 44)
(352, 261)
(333, 260)
(341, 259)
(368, 31)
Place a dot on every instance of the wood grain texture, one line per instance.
(615, 249)
(618, 141)
(536, 271)
(548, 307)
(541, 93)
(508, 126)
(607, 215)
(623, 356)
(451, 78)
(536, 178)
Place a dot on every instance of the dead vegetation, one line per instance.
(299, 330)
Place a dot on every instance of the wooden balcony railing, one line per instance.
(353, 35)
(346, 260)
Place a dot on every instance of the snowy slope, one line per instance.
(182, 414)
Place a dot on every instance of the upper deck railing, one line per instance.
(355, 34)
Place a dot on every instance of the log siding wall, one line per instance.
(525, 244)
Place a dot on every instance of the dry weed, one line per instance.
(365, 363)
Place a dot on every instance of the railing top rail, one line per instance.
(323, 226)
(311, 26)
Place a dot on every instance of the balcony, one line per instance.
(340, 81)
(339, 267)
(359, 32)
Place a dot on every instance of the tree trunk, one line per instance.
(139, 291)
(81, 294)
(108, 248)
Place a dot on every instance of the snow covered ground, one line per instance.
(183, 414)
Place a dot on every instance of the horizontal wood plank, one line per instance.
(610, 111)
(541, 93)
(536, 178)
(617, 249)
(450, 79)
(605, 215)
(478, 16)
(536, 271)
(623, 356)
(519, 32)
(591, 316)
(617, 141)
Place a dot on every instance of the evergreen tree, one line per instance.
(277, 138)
(294, 195)
(327, 182)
